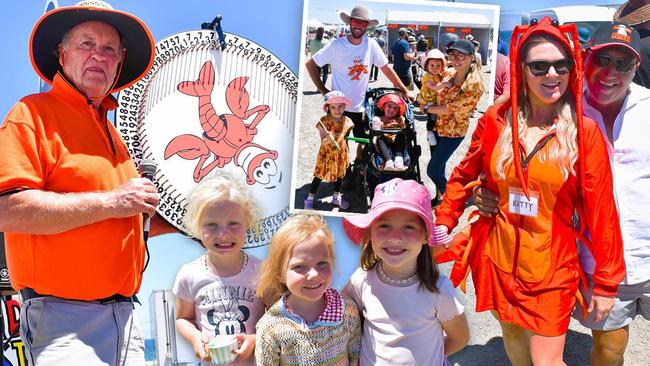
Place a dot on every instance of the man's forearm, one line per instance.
(312, 69)
(42, 212)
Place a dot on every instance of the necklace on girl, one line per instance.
(399, 283)
(207, 265)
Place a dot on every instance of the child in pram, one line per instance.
(392, 145)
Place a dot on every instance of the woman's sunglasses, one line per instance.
(457, 56)
(540, 68)
(620, 65)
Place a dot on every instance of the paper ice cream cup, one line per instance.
(221, 348)
(375, 124)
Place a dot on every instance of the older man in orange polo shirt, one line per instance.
(71, 199)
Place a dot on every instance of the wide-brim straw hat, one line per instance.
(49, 30)
(359, 12)
(640, 15)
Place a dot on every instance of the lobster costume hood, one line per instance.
(560, 33)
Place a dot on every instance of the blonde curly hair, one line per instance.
(220, 187)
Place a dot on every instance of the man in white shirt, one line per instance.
(350, 58)
(621, 109)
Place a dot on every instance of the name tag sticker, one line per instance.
(520, 205)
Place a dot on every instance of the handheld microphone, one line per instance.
(147, 169)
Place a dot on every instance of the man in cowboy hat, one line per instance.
(636, 13)
(71, 199)
(620, 107)
(350, 58)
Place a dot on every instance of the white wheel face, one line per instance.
(201, 110)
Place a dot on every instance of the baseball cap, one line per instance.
(463, 46)
(395, 194)
(615, 34)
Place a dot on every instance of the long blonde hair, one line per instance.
(297, 229)
(220, 187)
(564, 150)
(474, 75)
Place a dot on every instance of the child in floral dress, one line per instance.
(332, 159)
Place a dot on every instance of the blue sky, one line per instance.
(276, 25)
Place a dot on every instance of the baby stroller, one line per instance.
(373, 161)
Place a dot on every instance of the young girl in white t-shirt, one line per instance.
(411, 313)
(215, 293)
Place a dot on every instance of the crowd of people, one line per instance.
(562, 157)
(449, 85)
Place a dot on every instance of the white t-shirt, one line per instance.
(402, 324)
(630, 158)
(222, 305)
(351, 67)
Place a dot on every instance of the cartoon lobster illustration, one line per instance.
(357, 69)
(226, 135)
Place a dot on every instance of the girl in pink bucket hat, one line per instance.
(397, 236)
(332, 158)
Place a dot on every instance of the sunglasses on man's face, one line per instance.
(621, 65)
(540, 68)
(358, 23)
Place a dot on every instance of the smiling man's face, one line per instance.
(358, 27)
(607, 85)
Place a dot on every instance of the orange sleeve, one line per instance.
(22, 167)
(601, 214)
(456, 196)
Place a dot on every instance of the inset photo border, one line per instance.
(438, 24)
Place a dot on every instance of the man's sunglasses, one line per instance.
(358, 23)
(620, 65)
(540, 68)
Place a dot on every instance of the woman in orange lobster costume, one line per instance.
(524, 260)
